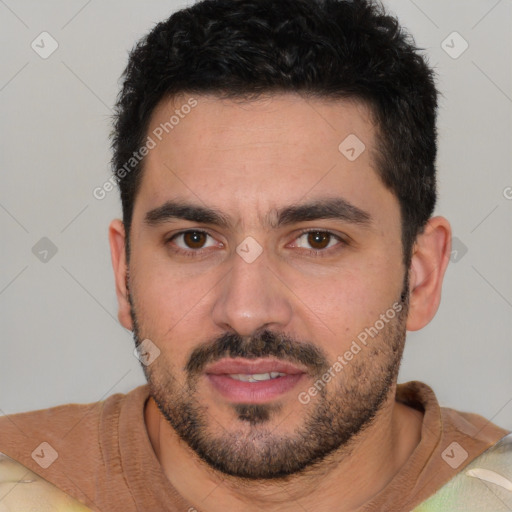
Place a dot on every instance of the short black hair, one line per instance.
(329, 49)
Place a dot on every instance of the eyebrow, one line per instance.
(328, 208)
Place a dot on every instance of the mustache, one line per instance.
(265, 344)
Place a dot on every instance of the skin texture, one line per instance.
(247, 160)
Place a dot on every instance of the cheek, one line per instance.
(167, 300)
(342, 305)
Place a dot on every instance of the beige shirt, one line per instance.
(105, 458)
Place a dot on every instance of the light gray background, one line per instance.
(61, 341)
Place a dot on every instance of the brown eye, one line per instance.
(192, 243)
(318, 242)
(319, 239)
(194, 239)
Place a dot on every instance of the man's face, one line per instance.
(260, 253)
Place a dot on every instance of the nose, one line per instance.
(252, 298)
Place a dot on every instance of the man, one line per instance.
(276, 162)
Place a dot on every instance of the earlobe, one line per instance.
(431, 254)
(117, 239)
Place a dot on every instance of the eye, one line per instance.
(318, 241)
(314, 241)
(192, 240)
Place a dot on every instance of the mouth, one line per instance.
(253, 380)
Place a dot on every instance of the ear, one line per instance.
(117, 239)
(431, 254)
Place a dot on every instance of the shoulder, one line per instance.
(58, 429)
(23, 490)
(64, 417)
(70, 449)
(55, 422)
(494, 466)
(484, 484)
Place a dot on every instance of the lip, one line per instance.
(263, 365)
(253, 392)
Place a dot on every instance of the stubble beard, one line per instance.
(256, 450)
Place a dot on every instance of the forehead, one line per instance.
(259, 154)
(277, 121)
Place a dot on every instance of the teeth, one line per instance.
(256, 377)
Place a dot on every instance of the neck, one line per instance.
(343, 482)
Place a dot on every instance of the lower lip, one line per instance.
(253, 392)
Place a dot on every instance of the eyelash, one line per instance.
(194, 253)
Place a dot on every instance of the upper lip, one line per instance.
(252, 366)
